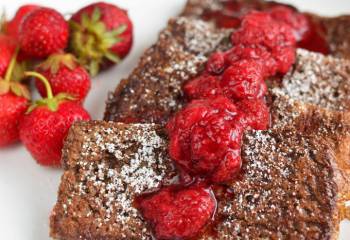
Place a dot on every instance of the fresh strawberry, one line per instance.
(65, 75)
(13, 104)
(101, 34)
(178, 213)
(12, 26)
(7, 49)
(46, 124)
(43, 32)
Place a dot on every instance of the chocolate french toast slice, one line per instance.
(106, 165)
(292, 184)
(152, 93)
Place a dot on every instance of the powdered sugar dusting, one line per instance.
(275, 187)
(178, 56)
(320, 80)
(128, 160)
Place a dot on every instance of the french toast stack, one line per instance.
(295, 177)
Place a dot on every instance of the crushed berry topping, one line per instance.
(253, 52)
(204, 86)
(309, 32)
(225, 100)
(178, 213)
(243, 79)
(203, 134)
(259, 28)
(255, 114)
(216, 63)
(297, 21)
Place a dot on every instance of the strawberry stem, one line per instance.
(43, 80)
(11, 66)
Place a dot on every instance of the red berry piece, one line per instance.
(203, 134)
(228, 168)
(43, 32)
(14, 98)
(65, 75)
(285, 58)
(13, 26)
(204, 86)
(297, 21)
(7, 49)
(216, 64)
(178, 213)
(253, 52)
(45, 127)
(259, 28)
(102, 34)
(255, 115)
(243, 80)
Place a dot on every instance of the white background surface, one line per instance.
(27, 190)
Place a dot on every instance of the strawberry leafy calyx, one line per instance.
(16, 88)
(9, 84)
(91, 40)
(55, 61)
(51, 102)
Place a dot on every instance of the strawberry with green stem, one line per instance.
(64, 74)
(45, 126)
(13, 104)
(101, 34)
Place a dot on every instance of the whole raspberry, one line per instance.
(243, 80)
(204, 86)
(178, 213)
(203, 134)
(43, 32)
(255, 115)
(216, 63)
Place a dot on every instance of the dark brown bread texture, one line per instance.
(293, 185)
(153, 92)
(106, 165)
(289, 188)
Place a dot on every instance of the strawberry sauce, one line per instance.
(226, 99)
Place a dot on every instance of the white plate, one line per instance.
(28, 191)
